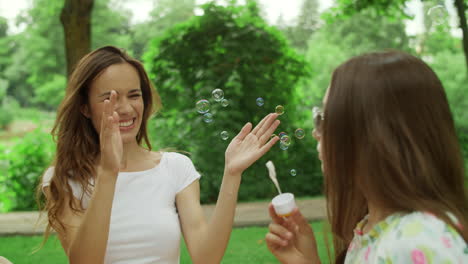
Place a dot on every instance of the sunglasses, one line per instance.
(318, 116)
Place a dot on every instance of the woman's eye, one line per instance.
(135, 96)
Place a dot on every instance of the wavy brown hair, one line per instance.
(389, 137)
(76, 138)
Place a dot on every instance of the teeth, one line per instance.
(126, 124)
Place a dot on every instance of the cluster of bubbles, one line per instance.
(285, 139)
(203, 107)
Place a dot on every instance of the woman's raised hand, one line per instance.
(109, 137)
(249, 145)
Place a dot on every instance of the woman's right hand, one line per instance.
(291, 239)
(109, 137)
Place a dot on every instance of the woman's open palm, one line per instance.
(249, 145)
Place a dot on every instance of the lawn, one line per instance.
(247, 246)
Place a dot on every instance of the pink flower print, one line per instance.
(366, 255)
(418, 257)
(446, 242)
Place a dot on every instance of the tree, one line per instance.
(396, 8)
(165, 15)
(307, 23)
(193, 58)
(35, 58)
(76, 21)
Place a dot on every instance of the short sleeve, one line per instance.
(185, 172)
(76, 187)
(47, 177)
(423, 239)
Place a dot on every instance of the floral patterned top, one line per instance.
(415, 238)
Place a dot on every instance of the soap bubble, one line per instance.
(260, 101)
(283, 146)
(286, 140)
(437, 14)
(203, 106)
(293, 172)
(279, 110)
(282, 134)
(224, 135)
(218, 95)
(224, 102)
(208, 118)
(299, 133)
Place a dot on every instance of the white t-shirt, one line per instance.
(144, 225)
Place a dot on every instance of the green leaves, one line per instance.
(232, 48)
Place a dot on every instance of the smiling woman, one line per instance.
(112, 199)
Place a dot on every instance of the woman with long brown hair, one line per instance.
(113, 200)
(393, 169)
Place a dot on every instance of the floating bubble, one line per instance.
(293, 172)
(218, 95)
(279, 110)
(282, 134)
(299, 133)
(260, 101)
(224, 135)
(224, 102)
(208, 118)
(286, 140)
(283, 146)
(203, 106)
(437, 14)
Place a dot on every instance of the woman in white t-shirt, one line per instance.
(112, 200)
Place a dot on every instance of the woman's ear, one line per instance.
(85, 111)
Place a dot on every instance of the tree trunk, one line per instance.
(461, 7)
(76, 21)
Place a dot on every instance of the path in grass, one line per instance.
(246, 246)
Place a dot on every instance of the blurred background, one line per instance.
(260, 54)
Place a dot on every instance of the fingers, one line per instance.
(270, 130)
(270, 119)
(259, 125)
(280, 231)
(115, 121)
(244, 131)
(298, 218)
(276, 219)
(265, 148)
(275, 241)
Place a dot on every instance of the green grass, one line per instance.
(247, 245)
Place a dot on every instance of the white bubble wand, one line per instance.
(272, 173)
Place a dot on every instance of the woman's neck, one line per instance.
(376, 214)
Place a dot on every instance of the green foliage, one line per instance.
(51, 93)
(307, 23)
(165, 15)
(24, 163)
(209, 52)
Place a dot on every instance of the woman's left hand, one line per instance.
(249, 145)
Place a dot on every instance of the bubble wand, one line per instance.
(272, 173)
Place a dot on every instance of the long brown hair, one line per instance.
(76, 138)
(389, 137)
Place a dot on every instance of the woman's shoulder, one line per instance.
(176, 157)
(421, 235)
